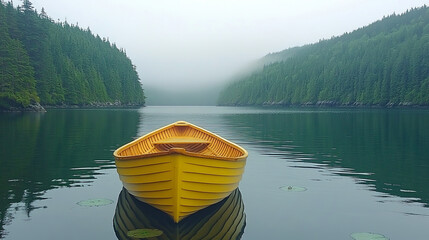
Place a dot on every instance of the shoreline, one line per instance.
(332, 105)
(37, 107)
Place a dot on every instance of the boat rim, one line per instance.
(179, 150)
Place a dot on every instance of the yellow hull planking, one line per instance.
(180, 169)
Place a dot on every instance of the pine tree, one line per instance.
(385, 63)
(17, 84)
(60, 63)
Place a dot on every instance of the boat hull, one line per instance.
(178, 184)
(180, 168)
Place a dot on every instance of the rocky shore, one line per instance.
(338, 104)
(33, 107)
(116, 104)
(36, 107)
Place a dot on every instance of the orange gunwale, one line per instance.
(176, 141)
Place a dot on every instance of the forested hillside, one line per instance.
(60, 64)
(385, 63)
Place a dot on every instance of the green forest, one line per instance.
(383, 64)
(60, 64)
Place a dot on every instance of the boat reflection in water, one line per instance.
(223, 220)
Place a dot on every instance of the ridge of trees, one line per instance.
(385, 63)
(57, 63)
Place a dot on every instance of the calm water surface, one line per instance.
(363, 170)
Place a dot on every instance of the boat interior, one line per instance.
(183, 137)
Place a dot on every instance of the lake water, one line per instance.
(360, 170)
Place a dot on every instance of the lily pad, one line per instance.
(144, 233)
(368, 236)
(95, 202)
(293, 189)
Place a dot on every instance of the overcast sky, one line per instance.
(195, 42)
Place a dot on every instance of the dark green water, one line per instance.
(363, 170)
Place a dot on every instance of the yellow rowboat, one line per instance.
(223, 220)
(180, 168)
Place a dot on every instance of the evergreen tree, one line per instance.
(385, 63)
(17, 84)
(60, 63)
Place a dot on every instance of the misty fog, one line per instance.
(179, 46)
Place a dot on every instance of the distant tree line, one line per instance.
(385, 63)
(57, 63)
